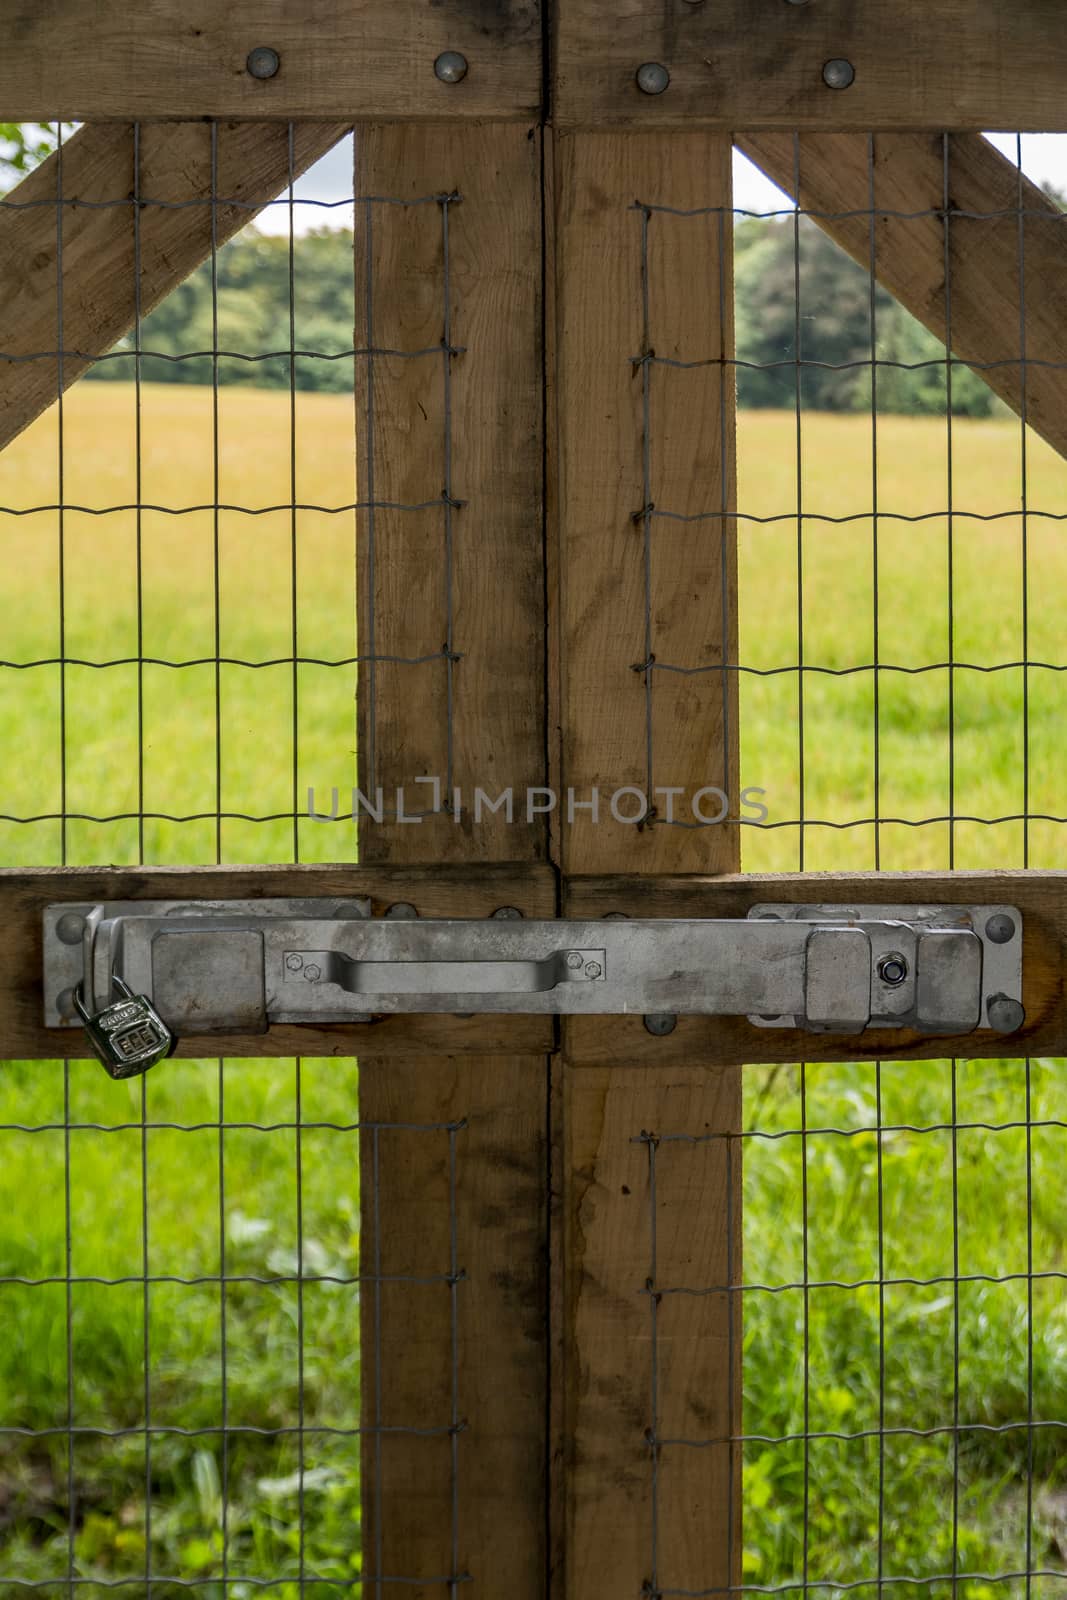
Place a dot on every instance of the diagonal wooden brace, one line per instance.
(964, 241)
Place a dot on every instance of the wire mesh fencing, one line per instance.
(188, 1296)
(185, 1405)
(196, 1285)
(896, 1284)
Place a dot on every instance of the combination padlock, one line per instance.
(128, 1036)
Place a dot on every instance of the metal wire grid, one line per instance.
(305, 835)
(839, 1336)
(984, 1458)
(840, 584)
(229, 1569)
(234, 1568)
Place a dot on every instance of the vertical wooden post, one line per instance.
(647, 623)
(448, 262)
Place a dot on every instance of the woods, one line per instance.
(836, 309)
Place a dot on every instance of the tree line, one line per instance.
(249, 314)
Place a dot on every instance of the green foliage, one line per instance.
(252, 277)
(792, 280)
(23, 145)
(253, 323)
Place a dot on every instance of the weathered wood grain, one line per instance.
(734, 64)
(466, 579)
(646, 487)
(187, 58)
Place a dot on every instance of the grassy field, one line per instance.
(1011, 1369)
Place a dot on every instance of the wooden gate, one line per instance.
(547, 603)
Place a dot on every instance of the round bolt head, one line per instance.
(661, 1023)
(838, 73)
(312, 972)
(1005, 1015)
(349, 908)
(615, 916)
(652, 77)
(593, 969)
(450, 66)
(294, 963)
(892, 970)
(70, 928)
(1000, 928)
(575, 960)
(508, 914)
(65, 1003)
(401, 912)
(263, 62)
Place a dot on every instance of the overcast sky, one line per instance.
(1044, 158)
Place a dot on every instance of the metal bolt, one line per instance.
(575, 960)
(312, 972)
(70, 928)
(661, 1023)
(450, 66)
(615, 916)
(593, 969)
(1000, 929)
(263, 62)
(294, 963)
(508, 914)
(65, 1003)
(1005, 1015)
(838, 73)
(401, 912)
(892, 970)
(652, 77)
(350, 908)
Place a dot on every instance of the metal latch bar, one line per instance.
(239, 966)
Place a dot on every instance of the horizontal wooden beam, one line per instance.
(188, 58)
(434, 892)
(969, 246)
(1041, 898)
(732, 64)
(111, 234)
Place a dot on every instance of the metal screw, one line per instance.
(401, 912)
(1000, 929)
(508, 914)
(661, 1023)
(652, 77)
(892, 970)
(294, 963)
(65, 1003)
(450, 66)
(263, 62)
(575, 960)
(593, 969)
(838, 73)
(70, 928)
(312, 972)
(1005, 1015)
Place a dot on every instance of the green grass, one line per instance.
(849, 1331)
